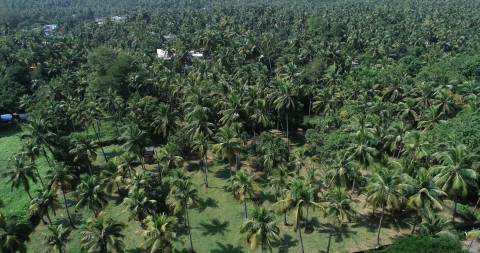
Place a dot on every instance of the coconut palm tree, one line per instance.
(200, 144)
(102, 235)
(135, 141)
(168, 159)
(422, 192)
(228, 146)
(139, 204)
(299, 195)
(243, 186)
(432, 223)
(261, 229)
(454, 175)
(90, 194)
(339, 208)
(198, 121)
(31, 151)
(13, 235)
(41, 204)
(20, 174)
(56, 238)
(283, 99)
(61, 178)
(472, 235)
(182, 196)
(84, 151)
(160, 234)
(383, 190)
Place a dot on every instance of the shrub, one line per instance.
(425, 244)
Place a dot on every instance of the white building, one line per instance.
(196, 55)
(163, 54)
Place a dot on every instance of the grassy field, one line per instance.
(16, 201)
(215, 222)
(217, 219)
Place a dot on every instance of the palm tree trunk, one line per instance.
(353, 185)
(454, 210)
(189, 228)
(29, 195)
(380, 225)
(476, 205)
(39, 177)
(205, 167)
(48, 218)
(46, 157)
(97, 133)
(301, 240)
(470, 244)
(306, 220)
(285, 218)
(237, 161)
(329, 242)
(245, 208)
(66, 208)
(288, 140)
(310, 106)
(414, 224)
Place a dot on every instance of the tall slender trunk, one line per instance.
(454, 210)
(29, 195)
(97, 133)
(205, 167)
(329, 242)
(310, 106)
(237, 161)
(245, 208)
(46, 157)
(301, 239)
(380, 225)
(299, 229)
(288, 138)
(48, 218)
(142, 161)
(189, 228)
(39, 177)
(66, 208)
(285, 218)
(353, 185)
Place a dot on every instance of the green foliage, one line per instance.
(424, 245)
(463, 129)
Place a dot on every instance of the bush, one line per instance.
(425, 244)
(461, 129)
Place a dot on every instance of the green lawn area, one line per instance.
(16, 201)
(216, 224)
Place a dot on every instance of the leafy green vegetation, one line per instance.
(229, 126)
(425, 245)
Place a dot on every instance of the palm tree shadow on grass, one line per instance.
(339, 234)
(223, 173)
(206, 203)
(395, 220)
(114, 153)
(214, 227)
(285, 243)
(135, 250)
(77, 219)
(224, 248)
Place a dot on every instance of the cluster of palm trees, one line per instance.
(363, 93)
